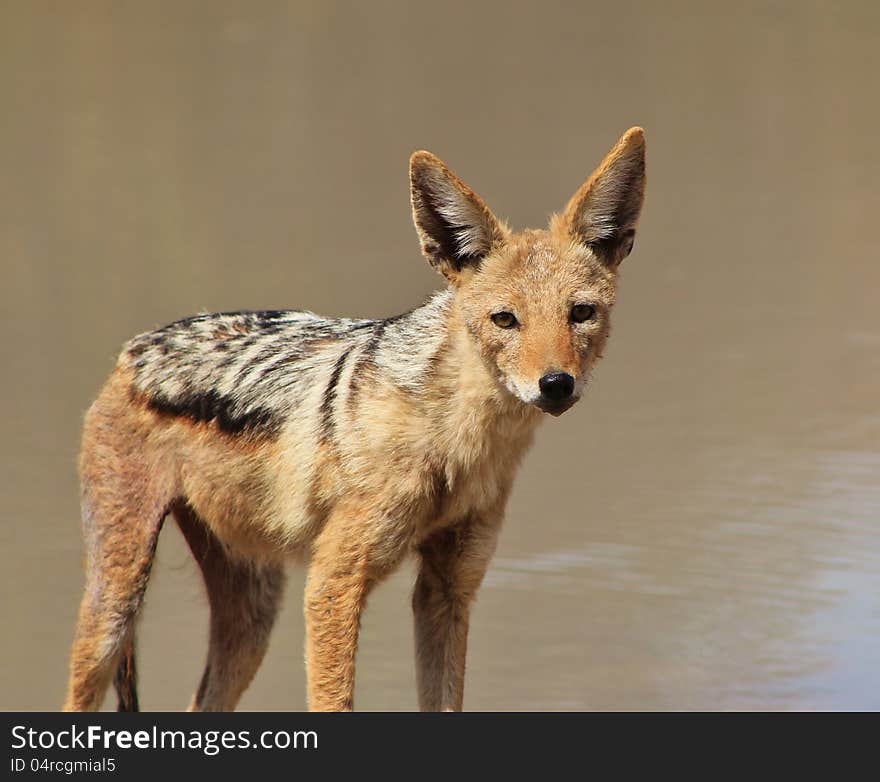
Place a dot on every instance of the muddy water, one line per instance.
(702, 531)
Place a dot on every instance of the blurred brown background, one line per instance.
(700, 532)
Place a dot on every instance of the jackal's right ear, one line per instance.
(456, 229)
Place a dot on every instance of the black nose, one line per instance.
(556, 386)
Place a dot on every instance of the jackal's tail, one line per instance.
(125, 680)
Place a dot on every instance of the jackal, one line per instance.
(351, 442)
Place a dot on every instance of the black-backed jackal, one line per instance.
(352, 442)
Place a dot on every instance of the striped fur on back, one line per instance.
(246, 371)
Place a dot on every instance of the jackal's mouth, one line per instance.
(555, 408)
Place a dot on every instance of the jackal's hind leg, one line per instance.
(121, 541)
(244, 599)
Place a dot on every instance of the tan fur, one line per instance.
(366, 467)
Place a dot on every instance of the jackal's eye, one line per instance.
(504, 320)
(582, 312)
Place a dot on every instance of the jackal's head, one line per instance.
(536, 303)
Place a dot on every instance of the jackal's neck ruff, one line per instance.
(472, 411)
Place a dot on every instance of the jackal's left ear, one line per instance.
(456, 229)
(604, 212)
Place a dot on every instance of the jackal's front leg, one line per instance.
(452, 566)
(349, 557)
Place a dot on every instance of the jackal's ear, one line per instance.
(604, 212)
(456, 229)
